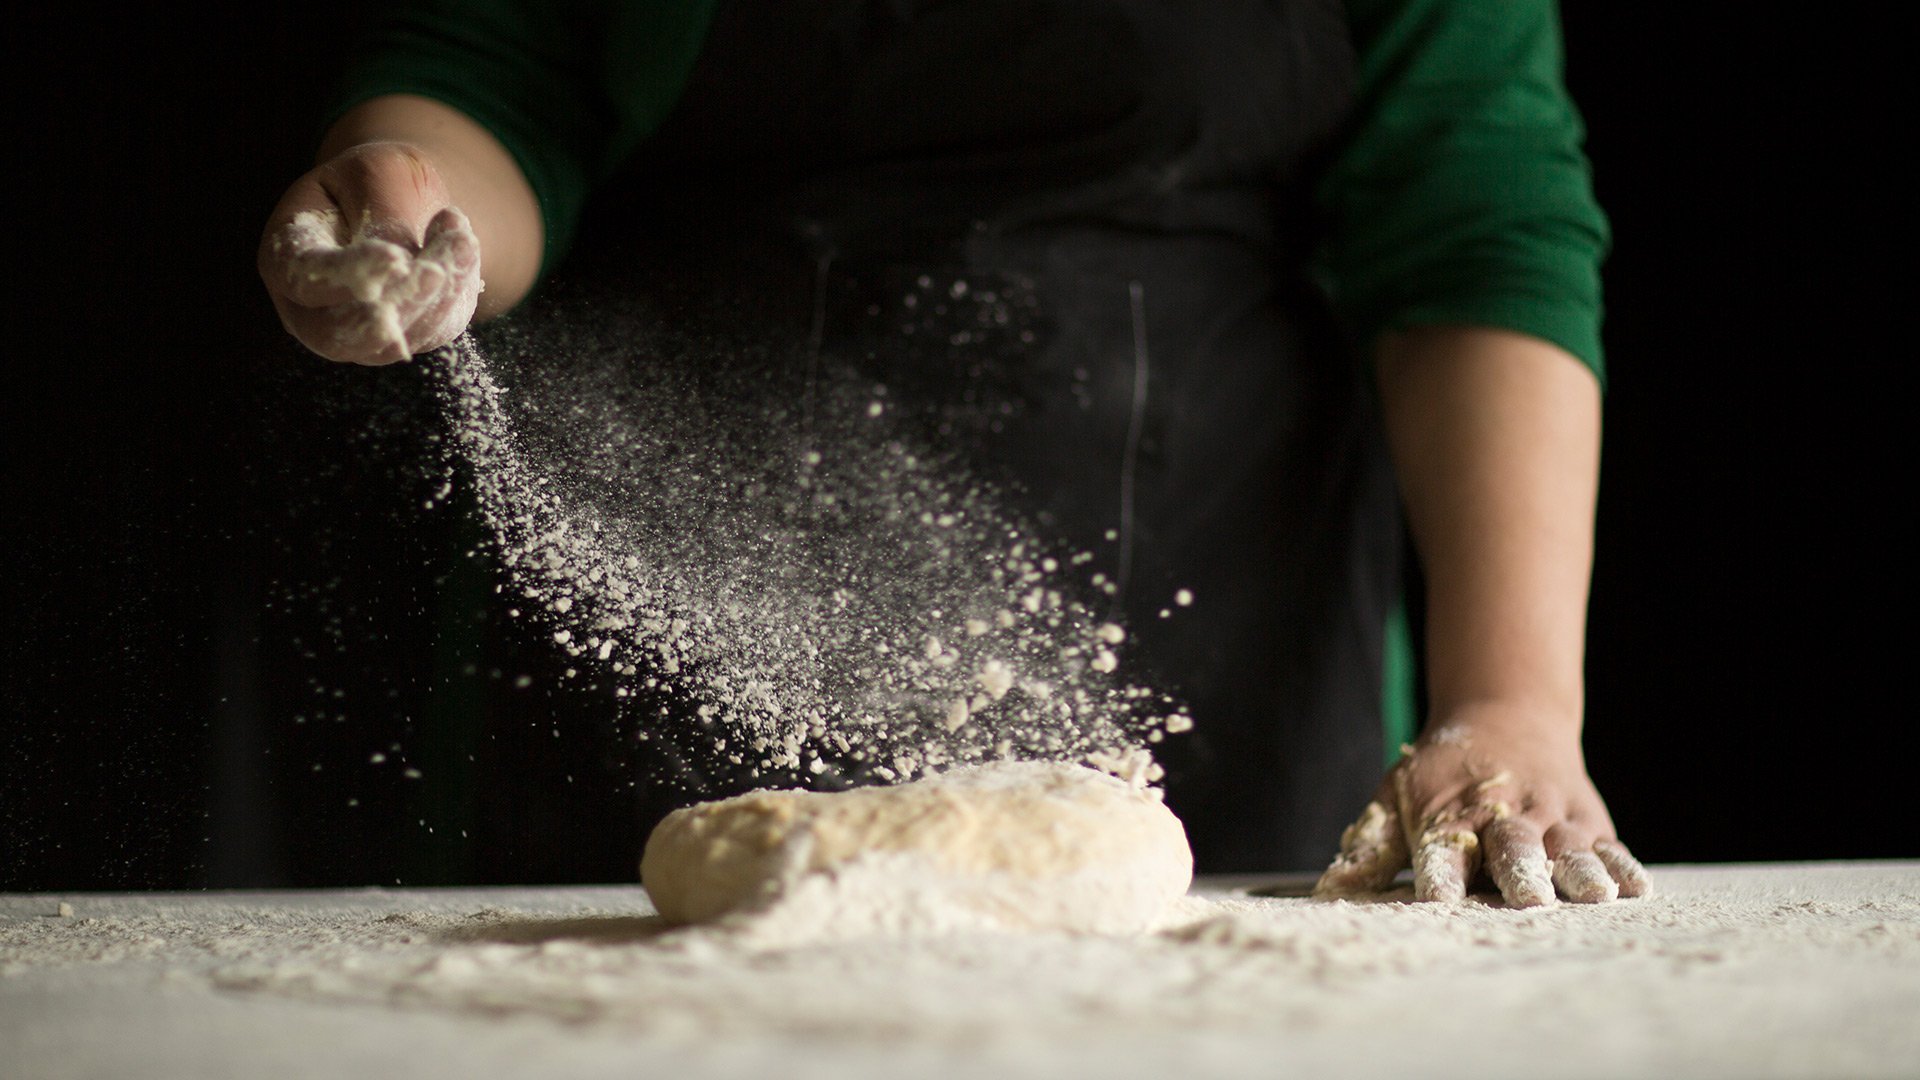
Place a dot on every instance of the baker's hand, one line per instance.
(1493, 791)
(366, 260)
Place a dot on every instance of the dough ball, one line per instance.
(1028, 845)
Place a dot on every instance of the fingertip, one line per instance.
(1372, 851)
(1364, 870)
(1625, 870)
(450, 219)
(1443, 864)
(457, 248)
(1583, 879)
(1332, 884)
(1517, 861)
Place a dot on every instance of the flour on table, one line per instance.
(1009, 845)
(1810, 970)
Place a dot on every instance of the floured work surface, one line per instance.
(1804, 970)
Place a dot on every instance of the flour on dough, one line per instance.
(1026, 846)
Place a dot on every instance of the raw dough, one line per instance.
(1029, 845)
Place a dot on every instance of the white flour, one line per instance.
(1809, 970)
(841, 603)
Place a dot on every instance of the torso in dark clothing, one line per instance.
(1132, 180)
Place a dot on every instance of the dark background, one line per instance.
(197, 669)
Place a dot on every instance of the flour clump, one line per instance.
(1012, 845)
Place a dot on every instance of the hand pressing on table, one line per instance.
(366, 257)
(1495, 793)
(1496, 442)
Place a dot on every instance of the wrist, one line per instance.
(1531, 718)
(457, 156)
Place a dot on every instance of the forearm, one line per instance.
(481, 178)
(1495, 436)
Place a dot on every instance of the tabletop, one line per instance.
(1751, 971)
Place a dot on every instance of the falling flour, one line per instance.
(834, 597)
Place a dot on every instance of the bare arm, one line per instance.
(420, 205)
(1496, 439)
(480, 177)
(1495, 436)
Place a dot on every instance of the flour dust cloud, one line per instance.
(763, 534)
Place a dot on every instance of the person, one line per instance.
(1216, 209)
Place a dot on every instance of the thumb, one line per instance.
(386, 191)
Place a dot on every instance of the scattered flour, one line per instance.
(1807, 970)
(841, 600)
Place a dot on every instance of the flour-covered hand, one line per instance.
(367, 262)
(1489, 793)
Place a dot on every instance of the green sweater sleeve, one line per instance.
(1462, 194)
(570, 89)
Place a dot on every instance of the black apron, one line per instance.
(1085, 226)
